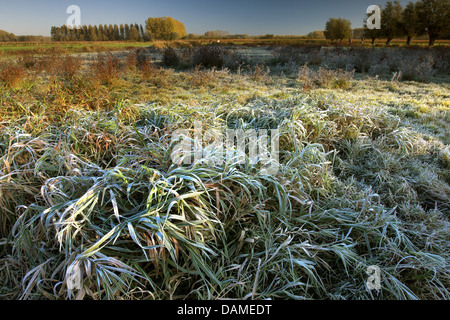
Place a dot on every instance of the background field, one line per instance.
(14, 48)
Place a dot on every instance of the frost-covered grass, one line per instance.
(87, 184)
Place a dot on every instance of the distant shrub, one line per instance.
(315, 61)
(441, 59)
(362, 60)
(234, 60)
(339, 60)
(170, 57)
(419, 64)
(379, 68)
(286, 54)
(142, 58)
(209, 56)
(137, 58)
(325, 78)
(217, 56)
(419, 69)
(185, 56)
(160, 46)
(106, 68)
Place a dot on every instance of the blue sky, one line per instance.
(253, 17)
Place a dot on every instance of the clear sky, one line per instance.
(253, 17)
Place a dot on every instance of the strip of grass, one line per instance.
(19, 48)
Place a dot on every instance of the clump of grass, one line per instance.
(12, 74)
(154, 75)
(137, 59)
(131, 60)
(325, 78)
(203, 77)
(142, 58)
(105, 200)
(261, 72)
(68, 66)
(106, 68)
(48, 64)
(28, 61)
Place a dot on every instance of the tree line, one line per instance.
(133, 32)
(425, 17)
(163, 28)
(429, 17)
(11, 37)
(6, 36)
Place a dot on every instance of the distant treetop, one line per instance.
(6, 36)
(165, 28)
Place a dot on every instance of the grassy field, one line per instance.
(15, 48)
(30, 48)
(88, 185)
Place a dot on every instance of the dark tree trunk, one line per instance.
(432, 35)
(408, 40)
(432, 40)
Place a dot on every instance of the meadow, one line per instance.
(88, 186)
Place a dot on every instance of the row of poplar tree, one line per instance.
(132, 32)
(162, 28)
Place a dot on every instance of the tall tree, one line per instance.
(434, 16)
(96, 33)
(391, 18)
(127, 32)
(64, 33)
(55, 32)
(116, 33)
(101, 33)
(165, 28)
(84, 33)
(111, 36)
(105, 33)
(133, 34)
(139, 38)
(122, 32)
(371, 34)
(142, 33)
(338, 29)
(410, 24)
(91, 33)
(69, 34)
